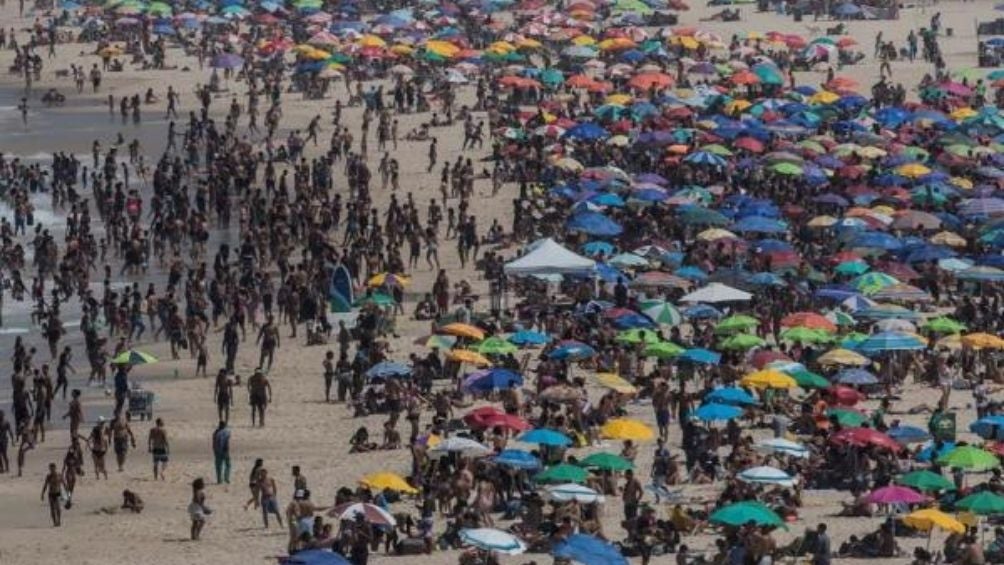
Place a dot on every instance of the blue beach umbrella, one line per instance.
(518, 459)
(589, 550)
(889, 341)
(717, 412)
(388, 369)
(529, 337)
(730, 395)
(544, 436)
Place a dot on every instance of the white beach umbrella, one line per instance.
(571, 491)
(765, 475)
(491, 539)
(781, 445)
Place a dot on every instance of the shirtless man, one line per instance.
(122, 438)
(268, 337)
(159, 448)
(53, 485)
(632, 495)
(260, 392)
(223, 394)
(269, 502)
(660, 403)
(75, 412)
(98, 442)
(300, 515)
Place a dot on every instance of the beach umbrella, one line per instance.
(463, 330)
(461, 445)
(810, 320)
(717, 412)
(768, 378)
(944, 325)
(133, 357)
(388, 369)
(529, 337)
(982, 341)
(989, 427)
(970, 458)
(661, 312)
(807, 379)
(926, 481)
(984, 503)
(490, 539)
(855, 377)
(616, 383)
(700, 356)
(570, 491)
(517, 459)
(375, 299)
(742, 513)
(627, 429)
(741, 342)
(317, 557)
(467, 356)
(636, 336)
(805, 335)
(930, 518)
(594, 224)
(387, 481)
(736, 323)
(932, 450)
(606, 462)
(588, 550)
(890, 341)
(434, 340)
(846, 418)
(730, 395)
(572, 351)
(545, 436)
(371, 513)
(783, 446)
(495, 346)
(563, 473)
(663, 350)
(895, 495)
(864, 436)
(766, 475)
(492, 379)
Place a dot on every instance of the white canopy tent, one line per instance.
(717, 292)
(548, 257)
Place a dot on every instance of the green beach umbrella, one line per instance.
(717, 149)
(134, 357)
(495, 346)
(661, 312)
(807, 379)
(983, 503)
(852, 268)
(552, 77)
(742, 341)
(944, 325)
(926, 481)
(376, 299)
(789, 169)
(847, 418)
(970, 458)
(742, 513)
(663, 350)
(806, 335)
(842, 318)
(737, 323)
(563, 473)
(606, 462)
(638, 335)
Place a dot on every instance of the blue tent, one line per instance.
(529, 337)
(589, 550)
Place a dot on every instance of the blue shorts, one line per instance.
(662, 418)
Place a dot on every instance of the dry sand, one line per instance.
(301, 428)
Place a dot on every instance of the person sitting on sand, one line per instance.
(360, 441)
(391, 437)
(131, 501)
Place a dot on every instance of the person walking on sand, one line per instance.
(122, 439)
(221, 453)
(269, 501)
(159, 448)
(260, 392)
(197, 509)
(53, 485)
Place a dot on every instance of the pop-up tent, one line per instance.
(548, 257)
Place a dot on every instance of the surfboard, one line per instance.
(340, 292)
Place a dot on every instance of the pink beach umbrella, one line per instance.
(896, 494)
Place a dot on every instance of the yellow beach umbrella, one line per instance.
(961, 182)
(463, 330)
(737, 106)
(528, 43)
(371, 41)
(982, 341)
(912, 170)
(872, 152)
(442, 48)
(841, 356)
(569, 164)
(768, 378)
(583, 40)
(951, 239)
(615, 383)
(963, 113)
(929, 518)
(387, 481)
(381, 279)
(502, 47)
(468, 356)
(824, 97)
(822, 222)
(619, 99)
(402, 49)
(624, 428)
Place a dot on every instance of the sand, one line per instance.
(302, 430)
